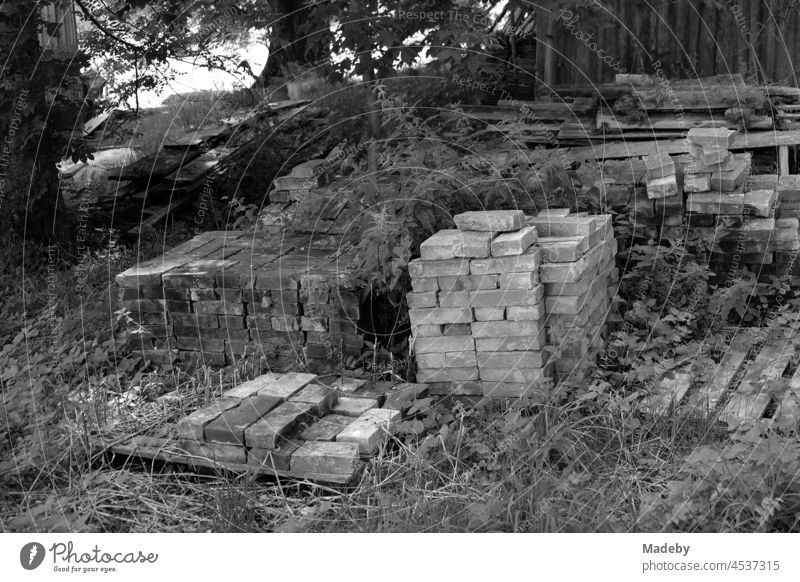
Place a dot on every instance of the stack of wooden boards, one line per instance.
(491, 295)
(224, 296)
(293, 425)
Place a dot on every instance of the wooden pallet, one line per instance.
(750, 383)
(298, 426)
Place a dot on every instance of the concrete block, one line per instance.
(440, 315)
(453, 343)
(418, 268)
(454, 298)
(490, 220)
(526, 262)
(662, 187)
(468, 282)
(489, 313)
(419, 300)
(513, 243)
(712, 136)
(697, 182)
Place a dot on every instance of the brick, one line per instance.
(733, 229)
(468, 282)
(507, 297)
(200, 344)
(732, 179)
(467, 388)
(697, 183)
(427, 330)
(289, 383)
(512, 343)
(662, 187)
(440, 315)
(309, 169)
(369, 430)
(202, 294)
(569, 272)
(489, 313)
(418, 268)
(229, 426)
(277, 459)
(513, 243)
(459, 359)
(715, 161)
(218, 307)
(513, 359)
(320, 398)
(501, 329)
(529, 280)
(514, 375)
(554, 212)
(528, 261)
(421, 300)
(422, 284)
(326, 428)
(259, 323)
(456, 329)
(454, 298)
(453, 343)
(659, 165)
(526, 312)
(402, 396)
(435, 360)
(760, 202)
(447, 374)
(318, 324)
(265, 433)
(441, 245)
(669, 207)
(286, 323)
(219, 453)
(538, 391)
(353, 406)
(144, 306)
(716, 203)
(473, 245)
(251, 387)
(563, 249)
(711, 136)
(569, 226)
(325, 458)
(491, 220)
(193, 425)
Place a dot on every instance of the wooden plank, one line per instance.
(783, 160)
(166, 450)
(753, 395)
(669, 392)
(193, 139)
(608, 120)
(195, 170)
(749, 140)
(709, 395)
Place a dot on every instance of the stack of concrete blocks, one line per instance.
(580, 284)
(477, 309)
(222, 297)
(294, 424)
(663, 189)
(308, 175)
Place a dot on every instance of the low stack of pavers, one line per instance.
(579, 278)
(483, 299)
(295, 424)
(663, 189)
(223, 296)
(308, 175)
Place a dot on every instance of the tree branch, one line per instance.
(102, 27)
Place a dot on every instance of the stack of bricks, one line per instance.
(663, 189)
(294, 424)
(477, 309)
(579, 279)
(222, 297)
(487, 294)
(311, 174)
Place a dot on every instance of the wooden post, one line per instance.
(783, 160)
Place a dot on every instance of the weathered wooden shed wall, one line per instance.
(689, 38)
